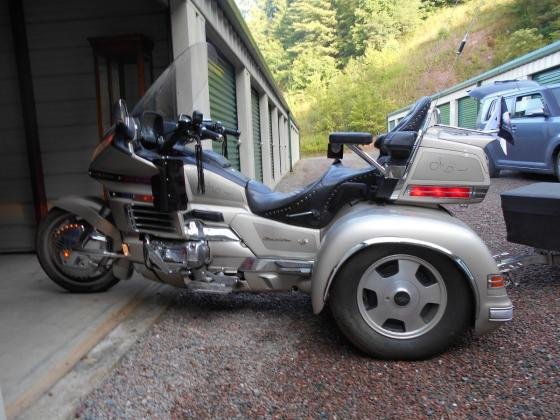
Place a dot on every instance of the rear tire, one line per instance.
(51, 246)
(401, 302)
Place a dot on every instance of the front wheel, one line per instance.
(71, 252)
(401, 302)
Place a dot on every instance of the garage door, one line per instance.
(444, 113)
(223, 101)
(17, 219)
(257, 134)
(548, 77)
(468, 109)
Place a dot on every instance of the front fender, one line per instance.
(366, 225)
(89, 208)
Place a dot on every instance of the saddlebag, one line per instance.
(532, 215)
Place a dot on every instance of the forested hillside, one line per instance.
(344, 64)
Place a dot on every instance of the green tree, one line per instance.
(345, 21)
(264, 20)
(308, 34)
(380, 21)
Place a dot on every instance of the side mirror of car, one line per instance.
(435, 118)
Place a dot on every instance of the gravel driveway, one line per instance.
(251, 355)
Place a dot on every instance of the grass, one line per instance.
(360, 97)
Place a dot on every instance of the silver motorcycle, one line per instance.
(403, 277)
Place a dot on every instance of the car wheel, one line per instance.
(401, 302)
(60, 237)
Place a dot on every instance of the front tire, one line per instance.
(59, 234)
(401, 302)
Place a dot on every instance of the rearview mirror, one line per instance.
(151, 128)
(435, 118)
(505, 130)
(122, 120)
(120, 111)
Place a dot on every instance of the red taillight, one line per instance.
(440, 192)
(144, 198)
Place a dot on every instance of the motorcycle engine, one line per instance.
(189, 257)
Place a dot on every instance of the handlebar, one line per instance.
(218, 127)
(205, 133)
(196, 129)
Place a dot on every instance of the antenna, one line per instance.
(455, 60)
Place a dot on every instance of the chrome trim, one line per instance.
(402, 181)
(215, 234)
(500, 314)
(406, 241)
(356, 149)
(97, 253)
(479, 192)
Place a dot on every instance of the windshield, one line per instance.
(177, 90)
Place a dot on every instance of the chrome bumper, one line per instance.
(500, 314)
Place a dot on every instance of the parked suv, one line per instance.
(535, 120)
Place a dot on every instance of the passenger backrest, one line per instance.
(396, 145)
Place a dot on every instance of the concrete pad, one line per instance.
(63, 399)
(45, 330)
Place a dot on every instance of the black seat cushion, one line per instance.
(350, 138)
(315, 205)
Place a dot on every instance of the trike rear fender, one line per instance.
(367, 225)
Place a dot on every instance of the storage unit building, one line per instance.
(65, 67)
(459, 109)
(548, 77)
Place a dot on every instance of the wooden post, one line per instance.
(110, 86)
(122, 87)
(21, 51)
(141, 74)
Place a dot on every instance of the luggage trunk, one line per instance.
(532, 215)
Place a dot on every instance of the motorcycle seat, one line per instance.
(315, 205)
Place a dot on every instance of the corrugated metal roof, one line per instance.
(510, 65)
